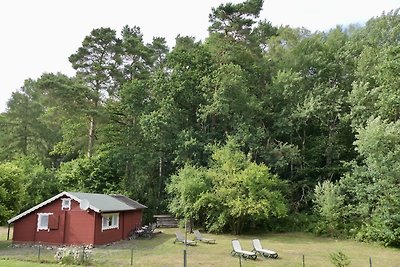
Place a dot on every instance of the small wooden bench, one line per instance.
(166, 220)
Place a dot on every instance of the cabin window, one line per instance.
(110, 221)
(43, 221)
(65, 204)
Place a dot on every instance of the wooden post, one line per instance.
(8, 232)
(185, 252)
(39, 252)
(83, 254)
(304, 263)
(131, 256)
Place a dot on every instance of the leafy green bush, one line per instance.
(370, 195)
(339, 259)
(296, 222)
(10, 191)
(328, 205)
(231, 194)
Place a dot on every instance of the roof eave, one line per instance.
(44, 203)
(36, 207)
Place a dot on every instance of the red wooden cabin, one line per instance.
(74, 218)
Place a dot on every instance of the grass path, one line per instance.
(162, 252)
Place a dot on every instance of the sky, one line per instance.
(39, 36)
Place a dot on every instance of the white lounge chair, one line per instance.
(257, 248)
(199, 237)
(181, 239)
(238, 251)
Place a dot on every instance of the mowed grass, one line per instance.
(14, 263)
(162, 252)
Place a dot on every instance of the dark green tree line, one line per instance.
(310, 115)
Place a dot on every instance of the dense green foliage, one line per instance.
(366, 201)
(10, 190)
(339, 259)
(229, 194)
(314, 118)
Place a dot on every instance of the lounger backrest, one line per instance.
(179, 235)
(257, 244)
(236, 245)
(197, 234)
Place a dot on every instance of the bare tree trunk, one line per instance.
(160, 169)
(291, 158)
(160, 177)
(92, 132)
(25, 141)
(330, 144)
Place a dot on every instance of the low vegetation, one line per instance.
(161, 251)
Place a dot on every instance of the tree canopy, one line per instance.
(252, 124)
(228, 194)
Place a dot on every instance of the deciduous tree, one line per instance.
(231, 193)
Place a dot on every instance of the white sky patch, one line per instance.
(39, 36)
(319, 15)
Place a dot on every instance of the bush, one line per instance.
(73, 256)
(295, 222)
(339, 259)
(328, 205)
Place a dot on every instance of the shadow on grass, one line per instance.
(5, 244)
(158, 240)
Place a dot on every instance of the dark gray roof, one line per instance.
(130, 202)
(106, 203)
(97, 202)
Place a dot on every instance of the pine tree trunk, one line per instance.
(92, 132)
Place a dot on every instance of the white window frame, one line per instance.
(65, 204)
(43, 225)
(109, 221)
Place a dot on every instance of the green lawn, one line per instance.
(162, 252)
(13, 263)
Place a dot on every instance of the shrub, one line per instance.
(73, 255)
(328, 204)
(339, 259)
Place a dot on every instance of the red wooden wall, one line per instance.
(79, 225)
(128, 220)
(73, 226)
